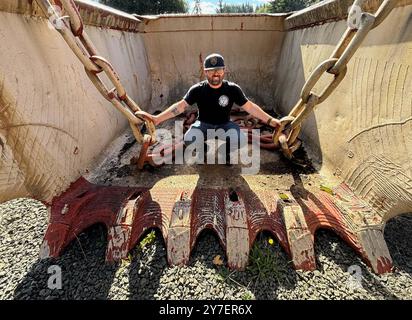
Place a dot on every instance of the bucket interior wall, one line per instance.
(177, 45)
(361, 134)
(54, 123)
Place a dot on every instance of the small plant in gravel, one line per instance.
(126, 261)
(247, 296)
(224, 273)
(149, 239)
(234, 279)
(264, 264)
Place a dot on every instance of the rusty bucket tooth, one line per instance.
(119, 235)
(375, 250)
(118, 238)
(237, 230)
(179, 233)
(300, 239)
(354, 220)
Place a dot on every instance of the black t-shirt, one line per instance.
(215, 104)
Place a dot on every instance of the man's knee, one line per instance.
(194, 134)
(235, 135)
(232, 125)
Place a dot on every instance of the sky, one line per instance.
(209, 6)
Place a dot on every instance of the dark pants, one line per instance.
(233, 137)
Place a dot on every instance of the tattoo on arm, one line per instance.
(175, 110)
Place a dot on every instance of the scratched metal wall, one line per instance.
(53, 121)
(362, 133)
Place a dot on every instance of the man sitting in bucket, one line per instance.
(214, 98)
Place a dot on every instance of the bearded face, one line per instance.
(215, 76)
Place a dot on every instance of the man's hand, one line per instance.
(275, 123)
(171, 112)
(147, 116)
(256, 111)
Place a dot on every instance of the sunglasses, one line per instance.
(213, 71)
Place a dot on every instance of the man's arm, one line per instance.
(256, 111)
(171, 112)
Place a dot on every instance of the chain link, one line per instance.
(325, 66)
(287, 133)
(72, 31)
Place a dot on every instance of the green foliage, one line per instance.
(143, 7)
(279, 6)
(126, 261)
(224, 273)
(150, 238)
(264, 8)
(234, 8)
(247, 296)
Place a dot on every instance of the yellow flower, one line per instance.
(218, 261)
(271, 242)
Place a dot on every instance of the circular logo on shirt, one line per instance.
(223, 101)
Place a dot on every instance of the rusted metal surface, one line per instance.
(93, 13)
(205, 22)
(236, 216)
(330, 11)
(268, 138)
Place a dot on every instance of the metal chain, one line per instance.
(286, 135)
(71, 28)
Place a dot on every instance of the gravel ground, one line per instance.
(146, 274)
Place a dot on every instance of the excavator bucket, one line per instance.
(289, 204)
(62, 142)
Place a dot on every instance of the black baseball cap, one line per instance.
(214, 61)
